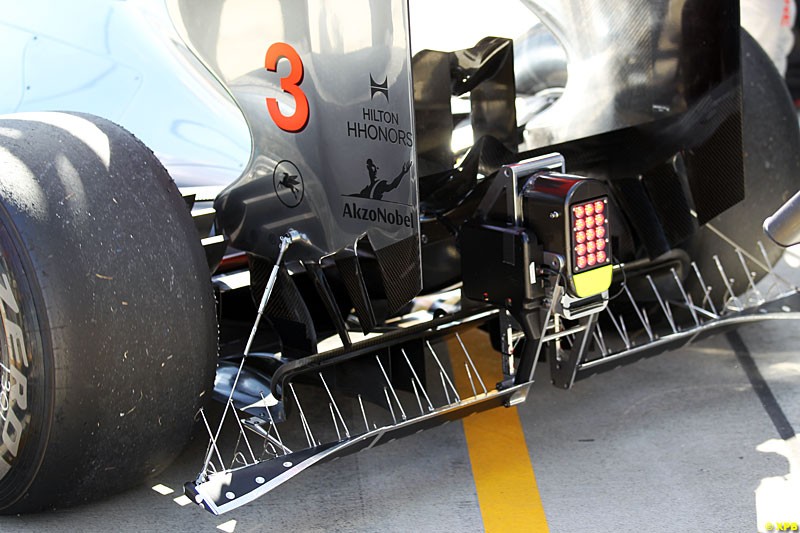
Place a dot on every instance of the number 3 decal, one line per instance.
(290, 84)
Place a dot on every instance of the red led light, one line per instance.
(590, 230)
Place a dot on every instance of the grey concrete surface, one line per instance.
(680, 442)
(668, 444)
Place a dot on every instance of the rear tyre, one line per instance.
(109, 341)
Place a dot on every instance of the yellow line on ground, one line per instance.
(501, 466)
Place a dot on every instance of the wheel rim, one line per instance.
(22, 402)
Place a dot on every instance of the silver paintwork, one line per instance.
(125, 62)
(341, 47)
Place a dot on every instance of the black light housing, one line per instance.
(569, 215)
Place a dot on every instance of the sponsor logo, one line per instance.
(377, 124)
(382, 200)
(13, 383)
(377, 187)
(391, 216)
(380, 125)
(288, 183)
(378, 88)
(397, 215)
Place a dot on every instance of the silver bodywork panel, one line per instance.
(347, 170)
(125, 62)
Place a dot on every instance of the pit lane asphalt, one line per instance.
(679, 442)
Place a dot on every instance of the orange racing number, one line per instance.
(290, 84)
